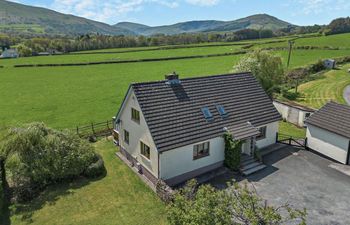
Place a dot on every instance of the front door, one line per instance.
(246, 147)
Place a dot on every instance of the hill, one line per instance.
(259, 21)
(19, 18)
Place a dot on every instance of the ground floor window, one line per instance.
(126, 136)
(145, 150)
(201, 150)
(262, 134)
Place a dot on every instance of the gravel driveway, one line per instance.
(303, 179)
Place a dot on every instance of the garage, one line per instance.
(328, 132)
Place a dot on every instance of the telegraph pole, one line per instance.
(290, 51)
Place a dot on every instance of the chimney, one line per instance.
(172, 78)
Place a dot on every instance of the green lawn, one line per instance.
(119, 198)
(330, 87)
(291, 130)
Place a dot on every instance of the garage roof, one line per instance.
(333, 117)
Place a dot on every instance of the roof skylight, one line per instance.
(221, 110)
(207, 114)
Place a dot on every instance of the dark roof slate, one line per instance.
(173, 112)
(333, 117)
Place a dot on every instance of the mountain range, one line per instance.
(19, 18)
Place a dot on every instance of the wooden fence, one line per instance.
(101, 129)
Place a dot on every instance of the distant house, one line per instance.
(328, 132)
(293, 112)
(173, 129)
(9, 53)
(329, 63)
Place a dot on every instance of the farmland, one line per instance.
(64, 97)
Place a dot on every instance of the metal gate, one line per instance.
(290, 140)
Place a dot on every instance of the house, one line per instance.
(328, 131)
(329, 63)
(173, 129)
(9, 53)
(293, 112)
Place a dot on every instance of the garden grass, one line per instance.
(329, 87)
(118, 198)
(291, 130)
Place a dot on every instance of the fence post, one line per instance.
(276, 137)
(290, 140)
(77, 130)
(305, 143)
(92, 127)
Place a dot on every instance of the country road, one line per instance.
(346, 94)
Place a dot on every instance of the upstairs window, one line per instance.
(207, 114)
(201, 150)
(135, 115)
(221, 111)
(145, 150)
(262, 135)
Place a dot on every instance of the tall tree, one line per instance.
(266, 67)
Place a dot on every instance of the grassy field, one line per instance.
(329, 87)
(64, 97)
(119, 198)
(120, 56)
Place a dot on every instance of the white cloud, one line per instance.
(203, 2)
(322, 6)
(107, 10)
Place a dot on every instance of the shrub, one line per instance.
(96, 168)
(37, 156)
(232, 152)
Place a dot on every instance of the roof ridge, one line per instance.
(192, 78)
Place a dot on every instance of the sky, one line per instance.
(164, 12)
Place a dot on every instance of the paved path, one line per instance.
(346, 94)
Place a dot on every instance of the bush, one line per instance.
(317, 67)
(38, 156)
(96, 168)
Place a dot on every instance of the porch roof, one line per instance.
(243, 131)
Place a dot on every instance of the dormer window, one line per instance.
(221, 111)
(207, 114)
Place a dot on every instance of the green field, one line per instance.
(64, 97)
(329, 87)
(119, 198)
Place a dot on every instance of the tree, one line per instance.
(266, 67)
(24, 50)
(238, 204)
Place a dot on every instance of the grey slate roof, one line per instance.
(333, 117)
(243, 130)
(173, 113)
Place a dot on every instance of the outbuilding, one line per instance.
(329, 63)
(293, 112)
(328, 132)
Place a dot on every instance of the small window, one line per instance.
(200, 150)
(221, 110)
(262, 134)
(145, 150)
(307, 115)
(126, 136)
(207, 114)
(135, 115)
